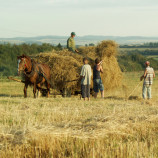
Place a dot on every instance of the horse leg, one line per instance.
(39, 91)
(34, 90)
(25, 90)
(48, 89)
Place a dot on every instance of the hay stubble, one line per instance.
(73, 128)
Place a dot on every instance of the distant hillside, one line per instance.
(80, 40)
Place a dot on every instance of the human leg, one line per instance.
(101, 87)
(102, 94)
(95, 95)
(83, 91)
(149, 92)
(95, 87)
(144, 91)
(88, 92)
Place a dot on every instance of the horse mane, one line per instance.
(24, 56)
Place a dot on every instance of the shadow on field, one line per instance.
(7, 95)
(115, 98)
(123, 98)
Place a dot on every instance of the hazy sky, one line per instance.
(85, 17)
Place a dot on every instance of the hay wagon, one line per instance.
(66, 66)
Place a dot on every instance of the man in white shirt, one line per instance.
(86, 74)
(148, 76)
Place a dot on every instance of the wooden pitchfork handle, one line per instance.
(14, 79)
(134, 89)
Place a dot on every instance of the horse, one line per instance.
(35, 74)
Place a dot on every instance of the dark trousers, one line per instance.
(85, 91)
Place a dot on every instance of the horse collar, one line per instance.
(31, 72)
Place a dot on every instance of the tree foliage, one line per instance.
(135, 62)
(9, 53)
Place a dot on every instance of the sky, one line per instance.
(27, 18)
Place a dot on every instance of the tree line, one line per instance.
(135, 62)
(9, 53)
(146, 52)
(145, 45)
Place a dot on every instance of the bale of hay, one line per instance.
(66, 66)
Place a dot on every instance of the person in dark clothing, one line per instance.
(97, 82)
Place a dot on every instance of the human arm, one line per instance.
(101, 69)
(76, 51)
(100, 62)
(82, 74)
(144, 75)
(154, 74)
(99, 66)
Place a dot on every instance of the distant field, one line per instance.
(125, 50)
(69, 127)
(141, 49)
(153, 56)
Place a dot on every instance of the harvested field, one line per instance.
(51, 128)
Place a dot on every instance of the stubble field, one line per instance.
(70, 127)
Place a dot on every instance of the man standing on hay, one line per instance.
(97, 82)
(71, 43)
(148, 76)
(85, 79)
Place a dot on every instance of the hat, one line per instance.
(73, 33)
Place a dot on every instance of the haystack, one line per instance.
(106, 51)
(66, 66)
(112, 76)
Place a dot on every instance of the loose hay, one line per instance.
(63, 68)
(66, 66)
(107, 49)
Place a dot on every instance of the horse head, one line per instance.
(24, 64)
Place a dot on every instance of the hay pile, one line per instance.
(66, 66)
(106, 51)
(112, 76)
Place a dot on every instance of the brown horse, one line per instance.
(34, 74)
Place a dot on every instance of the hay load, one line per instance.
(112, 76)
(66, 66)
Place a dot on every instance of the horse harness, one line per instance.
(33, 71)
(41, 74)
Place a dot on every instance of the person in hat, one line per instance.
(97, 81)
(86, 74)
(148, 76)
(71, 43)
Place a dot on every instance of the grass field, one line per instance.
(140, 49)
(69, 127)
(153, 56)
(134, 50)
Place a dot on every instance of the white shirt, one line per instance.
(86, 73)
